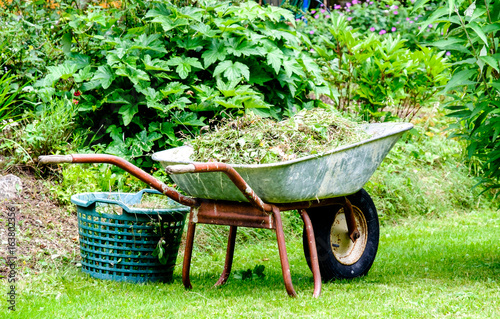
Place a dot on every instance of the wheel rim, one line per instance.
(348, 252)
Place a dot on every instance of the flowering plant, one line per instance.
(383, 18)
(373, 73)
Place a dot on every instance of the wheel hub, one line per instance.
(345, 250)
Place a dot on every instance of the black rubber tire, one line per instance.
(343, 263)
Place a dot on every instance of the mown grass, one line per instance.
(425, 268)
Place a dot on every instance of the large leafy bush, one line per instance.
(140, 87)
(472, 31)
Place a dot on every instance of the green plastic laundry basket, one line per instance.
(117, 240)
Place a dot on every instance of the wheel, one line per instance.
(338, 256)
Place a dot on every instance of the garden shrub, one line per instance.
(28, 37)
(389, 17)
(8, 95)
(37, 34)
(138, 88)
(48, 131)
(472, 30)
(376, 75)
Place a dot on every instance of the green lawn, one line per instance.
(446, 267)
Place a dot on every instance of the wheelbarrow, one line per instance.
(341, 229)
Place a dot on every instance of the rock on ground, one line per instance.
(10, 187)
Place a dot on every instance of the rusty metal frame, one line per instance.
(126, 166)
(255, 213)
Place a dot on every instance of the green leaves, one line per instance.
(460, 78)
(291, 66)
(275, 59)
(156, 64)
(451, 43)
(184, 65)
(250, 274)
(146, 141)
(169, 24)
(375, 71)
(180, 61)
(159, 251)
(243, 48)
(216, 52)
(475, 79)
(232, 70)
(127, 112)
(149, 42)
(104, 76)
(135, 75)
(479, 32)
(491, 61)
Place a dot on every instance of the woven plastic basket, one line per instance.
(117, 240)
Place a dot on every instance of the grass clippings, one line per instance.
(254, 140)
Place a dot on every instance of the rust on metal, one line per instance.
(137, 172)
(313, 253)
(285, 266)
(351, 221)
(236, 179)
(233, 214)
(310, 204)
(231, 240)
(188, 252)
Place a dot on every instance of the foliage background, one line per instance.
(133, 77)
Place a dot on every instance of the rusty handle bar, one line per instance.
(238, 181)
(126, 166)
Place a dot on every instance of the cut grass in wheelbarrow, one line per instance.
(255, 140)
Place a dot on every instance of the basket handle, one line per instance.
(150, 191)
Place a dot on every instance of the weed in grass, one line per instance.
(7, 101)
(46, 132)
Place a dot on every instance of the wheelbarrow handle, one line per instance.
(55, 159)
(180, 169)
(126, 166)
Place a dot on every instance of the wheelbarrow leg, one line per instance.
(231, 239)
(285, 266)
(313, 253)
(186, 266)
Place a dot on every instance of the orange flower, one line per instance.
(52, 4)
(4, 2)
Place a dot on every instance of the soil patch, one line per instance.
(46, 234)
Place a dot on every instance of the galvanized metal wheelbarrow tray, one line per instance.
(340, 172)
(315, 185)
